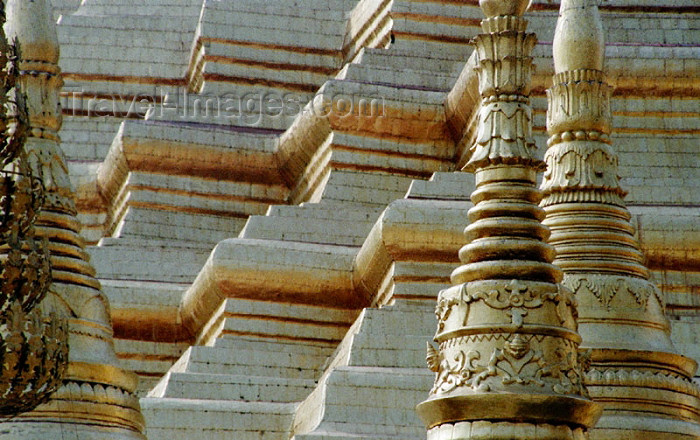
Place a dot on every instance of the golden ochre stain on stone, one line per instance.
(96, 396)
(621, 313)
(508, 347)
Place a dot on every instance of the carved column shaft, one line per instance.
(636, 372)
(507, 365)
(33, 346)
(96, 399)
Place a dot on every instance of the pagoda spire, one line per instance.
(507, 364)
(643, 382)
(96, 399)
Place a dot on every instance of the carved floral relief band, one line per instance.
(507, 364)
(95, 399)
(644, 384)
(33, 345)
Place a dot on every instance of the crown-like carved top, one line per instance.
(31, 23)
(578, 38)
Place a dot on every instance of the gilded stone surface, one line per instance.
(34, 349)
(95, 399)
(636, 372)
(507, 341)
(169, 189)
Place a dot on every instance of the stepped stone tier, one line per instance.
(273, 275)
(636, 372)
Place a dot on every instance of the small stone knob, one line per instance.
(494, 8)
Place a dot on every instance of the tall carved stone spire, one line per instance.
(33, 346)
(636, 373)
(507, 365)
(96, 400)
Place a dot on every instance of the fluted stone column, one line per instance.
(507, 366)
(96, 400)
(644, 384)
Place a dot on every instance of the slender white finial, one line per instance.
(31, 23)
(578, 39)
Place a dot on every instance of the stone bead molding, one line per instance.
(641, 379)
(505, 431)
(112, 406)
(581, 166)
(665, 395)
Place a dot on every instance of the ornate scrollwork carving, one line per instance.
(444, 307)
(514, 361)
(515, 298)
(33, 348)
(455, 372)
